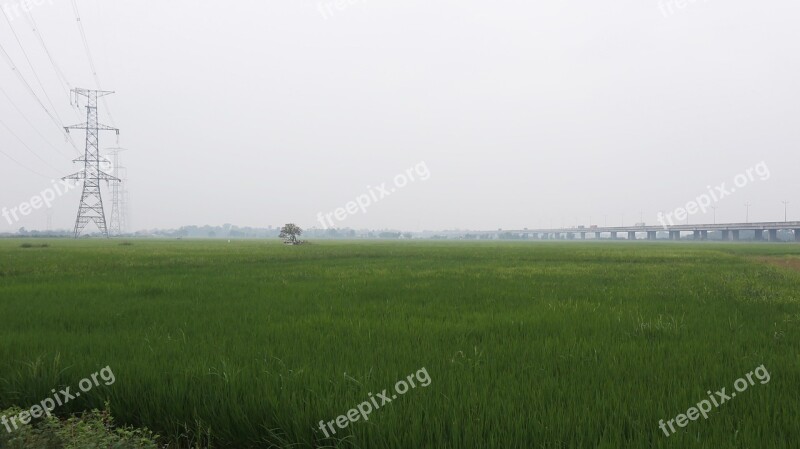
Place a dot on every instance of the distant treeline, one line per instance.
(229, 231)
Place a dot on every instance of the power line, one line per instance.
(22, 114)
(28, 148)
(30, 64)
(65, 84)
(23, 165)
(22, 79)
(59, 73)
(59, 123)
(91, 60)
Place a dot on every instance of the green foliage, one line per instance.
(544, 345)
(290, 232)
(92, 430)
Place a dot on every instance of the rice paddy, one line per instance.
(250, 344)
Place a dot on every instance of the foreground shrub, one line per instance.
(92, 430)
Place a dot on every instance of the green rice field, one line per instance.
(250, 344)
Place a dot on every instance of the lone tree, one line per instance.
(289, 234)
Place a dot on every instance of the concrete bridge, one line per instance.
(728, 231)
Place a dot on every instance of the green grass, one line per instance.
(528, 345)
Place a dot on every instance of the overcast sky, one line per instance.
(522, 113)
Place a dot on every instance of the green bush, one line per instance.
(92, 430)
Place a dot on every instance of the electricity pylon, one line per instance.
(119, 214)
(90, 208)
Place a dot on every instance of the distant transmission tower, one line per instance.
(124, 204)
(119, 203)
(91, 205)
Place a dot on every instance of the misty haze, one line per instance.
(360, 223)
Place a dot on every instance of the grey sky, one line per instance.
(259, 113)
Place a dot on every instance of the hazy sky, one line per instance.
(523, 113)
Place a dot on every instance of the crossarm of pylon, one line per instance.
(106, 177)
(99, 127)
(85, 92)
(102, 127)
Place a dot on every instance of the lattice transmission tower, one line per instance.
(90, 209)
(118, 224)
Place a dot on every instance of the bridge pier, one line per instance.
(652, 235)
(726, 235)
(697, 235)
(797, 235)
(759, 236)
(631, 235)
(773, 235)
(613, 235)
(703, 235)
(583, 236)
